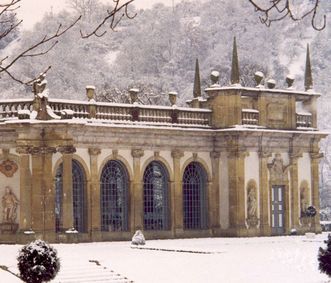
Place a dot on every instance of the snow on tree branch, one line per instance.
(9, 24)
(277, 10)
(112, 18)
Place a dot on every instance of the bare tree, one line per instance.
(277, 10)
(49, 41)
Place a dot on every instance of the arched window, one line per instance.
(194, 196)
(78, 197)
(156, 205)
(114, 197)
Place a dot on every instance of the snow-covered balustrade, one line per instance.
(10, 108)
(250, 117)
(79, 108)
(304, 120)
(191, 116)
(112, 111)
(155, 115)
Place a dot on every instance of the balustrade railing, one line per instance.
(250, 117)
(10, 108)
(112, 112)
(304, 120)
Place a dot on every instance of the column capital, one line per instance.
(94, 151)
(316, 156)
(39, 150)
(264, 153)
(177, 153)
(294, 155)
(66, 149)
(215, 154)
(241, 153)
(22, 150)
(137, 153)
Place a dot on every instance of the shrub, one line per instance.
(38, 262)
(324, 257)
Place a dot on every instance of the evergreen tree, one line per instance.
(38, 262)
(324, 257)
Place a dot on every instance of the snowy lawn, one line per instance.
(257, 260)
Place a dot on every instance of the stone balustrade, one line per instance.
(304, 120)
(250, 117)
(127, 113)
(10, 108)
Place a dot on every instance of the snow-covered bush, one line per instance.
(38, 262)
(324, 257)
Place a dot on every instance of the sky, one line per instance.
(32, 11)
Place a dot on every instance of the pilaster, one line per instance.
(136, 191)
(294, 156)
(25, 189)
(315, 158)
(94, 194)
(43, 192)
(67, 197)
(236, 165)
(214, 195)
(264, 193)
(177, 196)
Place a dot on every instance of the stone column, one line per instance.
(214, 195)
(294, 189)
(264, 194)
(236, 166)
(25, 189)
(94, 188)
(136, 193)
(315, 158)
(67, 191)
(177, 194)
(43, 192)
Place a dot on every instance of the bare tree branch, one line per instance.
(277, 10)
(111, 17)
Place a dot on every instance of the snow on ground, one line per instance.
(228, 260)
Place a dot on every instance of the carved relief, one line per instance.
(252, 219)
(278, 172)
(8, 168)
(276, 112)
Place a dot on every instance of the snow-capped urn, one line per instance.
(258, 76)
(38, 262)
(214, 77)
(290, 81)
(138, 238)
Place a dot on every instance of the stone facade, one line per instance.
(240, 162)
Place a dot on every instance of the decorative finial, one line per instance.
(258, 76)
(134, 95)
(290, 81)
(308, 73)
(271, 83)
(214, 76)
(197, 84)
(235, 64)
(90, 92)
(172, 97)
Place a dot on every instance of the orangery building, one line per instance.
(238, 161)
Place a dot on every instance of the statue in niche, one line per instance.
(9, 206)
(251, 202)
(278, 172)
(252, 219)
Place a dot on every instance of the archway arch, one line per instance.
(114, 186)
(156, 196)
(195, 196)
